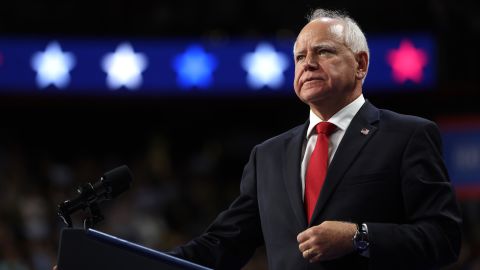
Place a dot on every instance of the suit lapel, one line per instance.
(292, 161)
(356, 137)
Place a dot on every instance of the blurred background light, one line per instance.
(124, 67)
(194, 67)
(53, 66)
(166, 66)
(265, 67)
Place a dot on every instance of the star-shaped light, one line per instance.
(407, 62)
(194, 67)
(124, 67)
(53, 66)
(265, 67)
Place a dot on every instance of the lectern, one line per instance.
(94, 250)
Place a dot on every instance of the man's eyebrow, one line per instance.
(322, 45)
(298, 52)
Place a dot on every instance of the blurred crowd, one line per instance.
(178, 189)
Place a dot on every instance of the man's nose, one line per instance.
(310, 62)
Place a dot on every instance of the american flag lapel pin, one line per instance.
(365, 131)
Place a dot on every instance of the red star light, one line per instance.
(407, 62)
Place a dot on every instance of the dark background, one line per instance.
(187, 153)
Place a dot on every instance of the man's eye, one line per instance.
(299, 57)
(324, 52)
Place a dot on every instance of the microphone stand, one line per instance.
(90, 195)
(95, 216)
(87, 192)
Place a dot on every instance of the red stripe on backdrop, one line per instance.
(468, 192)
(459, 123)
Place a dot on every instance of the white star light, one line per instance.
(53, 66)
(124, 67)
(265, 67)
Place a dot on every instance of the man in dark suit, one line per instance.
(386, 201)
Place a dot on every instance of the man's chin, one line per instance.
(312, 94)
(314, 84)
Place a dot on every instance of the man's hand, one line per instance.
(327, 241)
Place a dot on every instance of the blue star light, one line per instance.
(265, 67)
(194, 67)
(124, 67)
(53, 66)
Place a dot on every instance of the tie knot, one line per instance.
(326, 128)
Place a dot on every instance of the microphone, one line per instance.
(89, 195)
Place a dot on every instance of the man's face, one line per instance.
(325, 67)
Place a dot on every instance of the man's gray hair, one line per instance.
(354, 37)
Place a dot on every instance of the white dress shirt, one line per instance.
(342, 120)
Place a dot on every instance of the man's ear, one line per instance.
(362, 65)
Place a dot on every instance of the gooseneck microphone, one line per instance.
(89, 195)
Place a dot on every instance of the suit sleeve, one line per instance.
(232, 238)
(431, 237)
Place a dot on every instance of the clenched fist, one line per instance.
(327, 241)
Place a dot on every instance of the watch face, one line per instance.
(361, 241)
(362, 245)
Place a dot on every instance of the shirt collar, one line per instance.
(341, 118)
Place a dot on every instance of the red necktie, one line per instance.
(317, 167)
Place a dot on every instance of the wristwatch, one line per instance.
(360, 239)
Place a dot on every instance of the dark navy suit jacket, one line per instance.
(393, 178)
